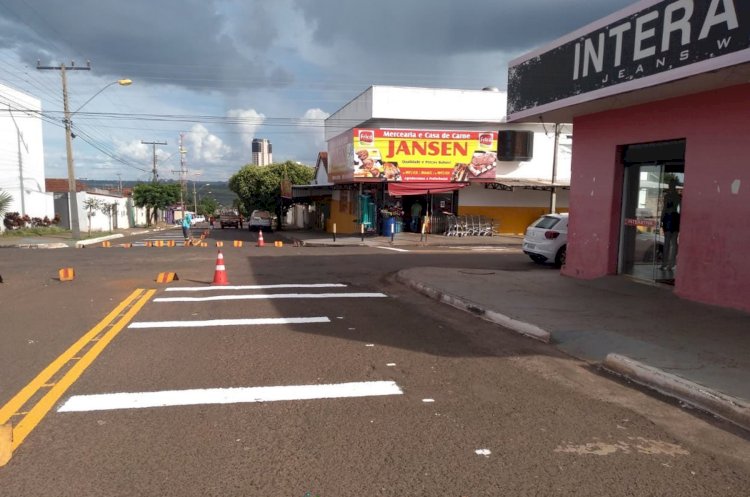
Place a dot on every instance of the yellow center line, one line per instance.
(36, 413)
(43, 378)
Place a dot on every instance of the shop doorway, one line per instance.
(654, 174)
(434, 208)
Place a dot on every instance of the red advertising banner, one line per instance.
(420, 155)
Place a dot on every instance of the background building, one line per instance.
(262, 152)
(22, 154)
(669, 105)
(423, 142)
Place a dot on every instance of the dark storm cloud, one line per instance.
(182, 42)
(431, 27)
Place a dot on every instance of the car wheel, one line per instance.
(561, 255)
(537, 258)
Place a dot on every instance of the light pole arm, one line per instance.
(121, 82)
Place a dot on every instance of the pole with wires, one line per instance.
(75, 228)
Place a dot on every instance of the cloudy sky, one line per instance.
(223, 72)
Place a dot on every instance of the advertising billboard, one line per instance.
(408, 155)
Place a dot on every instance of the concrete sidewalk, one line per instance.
(65, 240)
(697, 353)
(309, 238)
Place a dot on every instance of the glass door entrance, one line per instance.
(650, 220)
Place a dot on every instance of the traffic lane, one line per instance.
(539, 436)
(398, 371)
(40, 317)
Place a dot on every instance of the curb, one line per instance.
(724, 406)
(92, 241)
(525, 329)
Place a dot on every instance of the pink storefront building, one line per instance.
(659, 96)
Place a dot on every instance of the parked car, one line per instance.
(230, 218)
(649, 247)
(260, 220)
(198, 219)
(546, 239)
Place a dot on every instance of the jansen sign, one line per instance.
(418, 155)
(665, 36)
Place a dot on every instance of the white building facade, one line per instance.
(22, 154)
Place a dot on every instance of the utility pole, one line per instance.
(553, 193)
(119, 180)
(183, 174)
(154, 144)
(72, 193)
(19, 136)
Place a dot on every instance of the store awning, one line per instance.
(308, 191)
(423, 187)
(528, 184)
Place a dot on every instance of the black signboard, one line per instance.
(663, 37)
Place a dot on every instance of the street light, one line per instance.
(195, 194)
(72, 193)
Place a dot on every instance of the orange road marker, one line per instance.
(106, 243)
(66, 274)
(238, 243)
(219, 243)
(166, 277)
(170, 243)
(278, 244)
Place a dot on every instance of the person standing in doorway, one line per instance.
(416, 212)
(670, 225)
(187, 220)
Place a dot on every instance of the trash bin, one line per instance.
(390, 223)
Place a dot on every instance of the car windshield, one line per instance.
(262, 214)
(546, 222)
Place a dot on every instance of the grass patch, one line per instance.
(38, 231)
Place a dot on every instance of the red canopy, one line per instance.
(423, 187)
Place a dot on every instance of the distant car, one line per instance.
(198, 219)
(230, 218)
(546, 239)
(260, 220)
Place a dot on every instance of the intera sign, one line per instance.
(665, 36)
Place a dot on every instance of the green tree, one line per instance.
(259, 187)
(155, 196)
(91, 205)
(5, 200)
(207, 206)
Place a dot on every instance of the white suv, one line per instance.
(546, 239)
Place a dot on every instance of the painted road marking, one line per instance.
(227, 322)
(166, 398)
(393, 248)
(251, 287)
(272, 296)
(110, 326)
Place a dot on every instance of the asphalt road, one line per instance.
(476, 410)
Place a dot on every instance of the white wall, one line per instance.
(476, 195)
(540, 166)
(395, 106)
(101, 221)
(20, 123)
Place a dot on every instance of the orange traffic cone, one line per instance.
(220, 275)
(261, 243)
